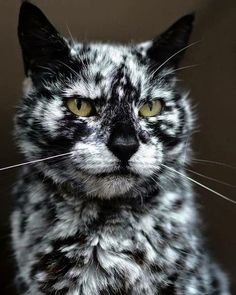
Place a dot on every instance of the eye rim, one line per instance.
(85, 99)
(160, 100)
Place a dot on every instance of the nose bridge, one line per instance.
(122, 122)
(123, 113)
(124, 129)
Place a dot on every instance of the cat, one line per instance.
(109, 210)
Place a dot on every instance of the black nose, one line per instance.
(123, 142)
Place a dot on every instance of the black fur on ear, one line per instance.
(39, 40)
(170, 45)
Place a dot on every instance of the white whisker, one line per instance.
(35, 161)
(71, 36)
(214, 163)
(173, 55)
(200, 184)
(210, 178)
(48, 69)
(70, 68)
(179, 69)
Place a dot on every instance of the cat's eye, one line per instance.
(80, 107)
(151, 109)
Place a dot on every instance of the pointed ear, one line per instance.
(39, 40)
(169, 47)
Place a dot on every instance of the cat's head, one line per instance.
(116, 107)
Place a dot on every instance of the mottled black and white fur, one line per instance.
(100, 220)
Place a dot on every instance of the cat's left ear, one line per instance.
(39, 40)
(170, 46)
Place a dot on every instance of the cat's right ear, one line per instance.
(39, 40)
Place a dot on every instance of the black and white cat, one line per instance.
(114, 214)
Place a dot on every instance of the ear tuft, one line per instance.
(38, 38)
(171, 44)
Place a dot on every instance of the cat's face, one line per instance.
(117, 108)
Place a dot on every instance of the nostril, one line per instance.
(123, 148)
(125, 151)
(123, 141)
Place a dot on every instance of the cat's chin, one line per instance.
(108, 186)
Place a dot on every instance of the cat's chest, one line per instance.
(101, 262)
(121, 255)
(93, 248)
(124, 247)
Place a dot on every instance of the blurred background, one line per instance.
(212, 84)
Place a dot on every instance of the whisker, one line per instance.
(200, 184)
(72, 38)
(210, 178)
(203, 161)
(70, 68)
(182, 68)
(157, 183)
(48, 69)
(35, 161)
(173, 55)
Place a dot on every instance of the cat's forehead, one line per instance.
(109, 71)
(106, 54)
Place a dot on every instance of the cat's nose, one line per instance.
(123, 142)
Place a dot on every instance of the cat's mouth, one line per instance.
(109, 184)
(121, 171)
(118, 170)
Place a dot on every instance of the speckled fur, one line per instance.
(81, 227)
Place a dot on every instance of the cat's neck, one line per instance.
(73, 212)
(75, 199)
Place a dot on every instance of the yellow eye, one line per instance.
(151, 109)
(80, 107)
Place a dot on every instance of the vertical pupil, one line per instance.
(150, 106)
(78, 103)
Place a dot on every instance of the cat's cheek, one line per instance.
(94, 158)
(52, 116)
(28, 148)
(147, 159)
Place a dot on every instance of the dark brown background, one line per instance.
(212, 86)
